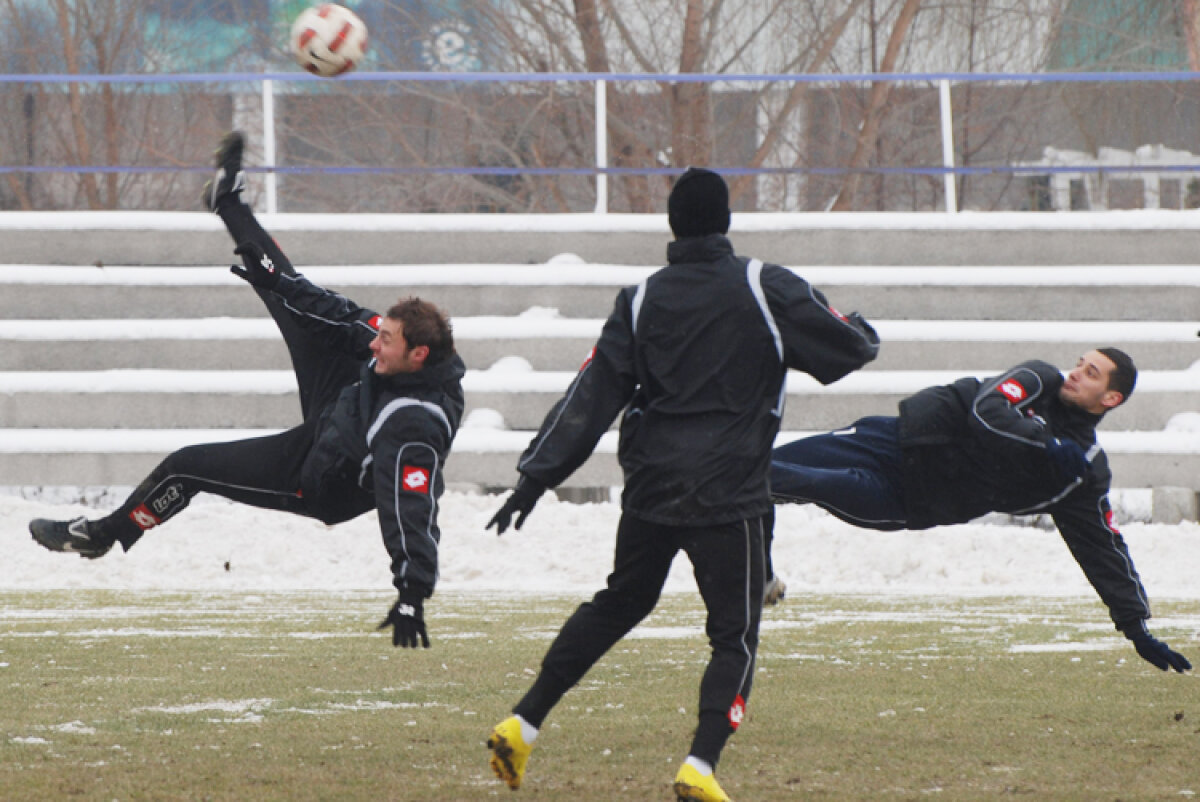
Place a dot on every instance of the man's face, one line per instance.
(392, 354)
(1086, 386)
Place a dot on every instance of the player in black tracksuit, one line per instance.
(1023, 442)
(696, 358)
(379, 419)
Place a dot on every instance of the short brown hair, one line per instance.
(424, 324)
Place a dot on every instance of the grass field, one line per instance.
(189, 696)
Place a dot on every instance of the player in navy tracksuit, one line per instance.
(381, 398)
(695, 357)
(1023, 442)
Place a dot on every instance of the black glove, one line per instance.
(1154, 651)
(524, 496)
(259, 269)
(407, 619)
(1068, 457)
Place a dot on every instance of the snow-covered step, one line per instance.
(549, 341)
(481, 456)
(892, 238)
(548, 323)
(541, 336)
(1080, 292)
(230, 398)
(503, 378)
(571, 272)
(477, 439)
(50, 292)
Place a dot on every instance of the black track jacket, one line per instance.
(384, 441)
(696, 356)
(974, 447)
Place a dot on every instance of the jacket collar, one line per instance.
(437, 376)
(709, 248)
(1077, 421)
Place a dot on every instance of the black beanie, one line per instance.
(699, 204)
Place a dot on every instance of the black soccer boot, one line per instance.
(229, 179)
(80, 536)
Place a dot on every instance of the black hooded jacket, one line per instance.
(696, 356)
(383, 443)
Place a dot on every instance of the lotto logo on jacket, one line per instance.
(415, 480)
(1012, 390)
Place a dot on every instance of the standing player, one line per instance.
(696, 357)
(381, 399)
(1023, 442)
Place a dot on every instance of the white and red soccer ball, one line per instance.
(328, 40)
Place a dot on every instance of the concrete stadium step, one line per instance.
(81, 457)
(1077, 292)
(49, 292)
(550, 342)
(902, 239)
(238, 399)
(545, 340)
(481, 457)
(523, 399)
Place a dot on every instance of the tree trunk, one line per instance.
(626, 149)
(83, 147)
(775, 131)
(691, 103)
(876, 103)
(1190, 13)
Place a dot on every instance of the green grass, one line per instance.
(150, 696)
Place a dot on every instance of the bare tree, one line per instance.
(679, 123)
(1189, 12)
(880, 91)
(101, 125)
(528, 146)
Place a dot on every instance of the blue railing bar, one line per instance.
(545, 77)
(1024, 169)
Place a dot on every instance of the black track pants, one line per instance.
(321, 372)
(727, 561)
(261, 471)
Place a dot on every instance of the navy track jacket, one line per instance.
(974, 447)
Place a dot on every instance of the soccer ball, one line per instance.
(328, 40)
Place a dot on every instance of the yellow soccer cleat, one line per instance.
(510, 753)
(692, 786)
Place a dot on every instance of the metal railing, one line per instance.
(600, 170)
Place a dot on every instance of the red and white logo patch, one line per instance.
(1013, 390)
(416, 480)
(1110, 520)
(737, 712)
(142, 516)
(839, 315)
(374, 322)
(588, 360)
